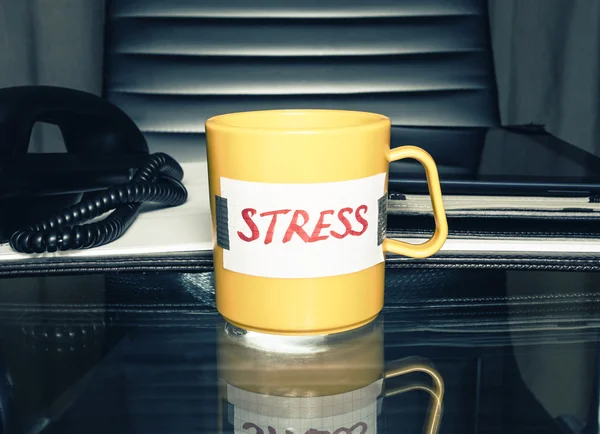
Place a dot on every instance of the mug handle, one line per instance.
(411, 365)
(435, 243)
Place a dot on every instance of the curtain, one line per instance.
(51, 42)
(547, 59)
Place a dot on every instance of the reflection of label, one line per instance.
(357, 428)
(300, 230)
(353, 412)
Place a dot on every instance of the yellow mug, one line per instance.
(298, 202)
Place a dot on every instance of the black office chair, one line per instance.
(424, 63)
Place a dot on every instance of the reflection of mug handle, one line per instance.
(409, 366)
(435, 243)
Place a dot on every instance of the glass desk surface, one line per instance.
(454, 351)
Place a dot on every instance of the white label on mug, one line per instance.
(300, 230)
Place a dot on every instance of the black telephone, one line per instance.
(107, 167)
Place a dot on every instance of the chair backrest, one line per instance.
(424, 63)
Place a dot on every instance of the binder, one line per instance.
(180, 239)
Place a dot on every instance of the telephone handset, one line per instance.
(89, 124)
(107, 167)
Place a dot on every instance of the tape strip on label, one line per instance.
(222, 222)
(382, 219)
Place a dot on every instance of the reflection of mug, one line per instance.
(298, 201)
(311, 385)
